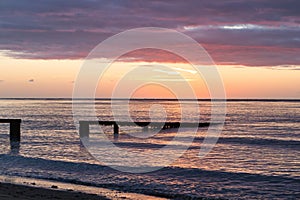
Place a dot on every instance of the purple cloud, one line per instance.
(258, 32)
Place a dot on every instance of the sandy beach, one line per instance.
(35, 189)
(16, 192)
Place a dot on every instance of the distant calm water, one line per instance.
(257, 155)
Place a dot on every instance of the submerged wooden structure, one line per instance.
(15, 129)
(84, 129)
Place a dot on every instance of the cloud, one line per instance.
(166, 72)
(258, 32)
(185, 70)
(31, 80)
(285, 67)
(1, 81)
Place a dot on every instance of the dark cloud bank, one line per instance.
(258, 32)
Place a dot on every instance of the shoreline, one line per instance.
(20, 192)
(19, 188)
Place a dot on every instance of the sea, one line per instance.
(257, 154)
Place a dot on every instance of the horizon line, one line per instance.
(153, 99)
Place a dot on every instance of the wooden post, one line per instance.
(15, 131)
(116, 136)
(116, 128)
(14, 148)
(84, 129)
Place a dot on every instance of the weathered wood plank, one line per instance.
(84, 125)
(15, 129)
(152, 124)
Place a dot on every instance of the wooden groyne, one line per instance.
(84, 125)
(15, 129)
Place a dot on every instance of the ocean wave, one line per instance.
(167, 182)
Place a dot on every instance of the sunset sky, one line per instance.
(255, 44)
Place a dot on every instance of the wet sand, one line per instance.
(16, 188)
(21, 192)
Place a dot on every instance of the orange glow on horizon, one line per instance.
(54, 78)
(147, 91)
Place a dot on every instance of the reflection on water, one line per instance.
(14, 148)
(259, 138)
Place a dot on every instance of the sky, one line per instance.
(254, 44)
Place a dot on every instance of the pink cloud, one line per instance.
(242, 32)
